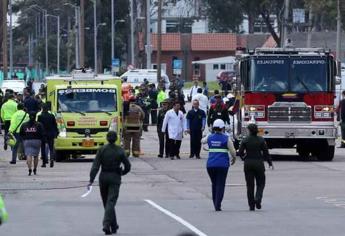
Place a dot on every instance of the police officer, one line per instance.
(196, 121)
(153, 94)
(3, 212)
(7, 111)
(133, 124)
(254, 151)
(163, 137)
(218, 161)
(110, 157)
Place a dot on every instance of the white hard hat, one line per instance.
(218, 124)
(230, 95)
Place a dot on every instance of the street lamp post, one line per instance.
(95, 34)
(11, 38)
(112, 30)
(58, 42)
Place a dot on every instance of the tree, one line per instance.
(224, 16)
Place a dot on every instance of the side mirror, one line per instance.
(337, 80)
(338, 69)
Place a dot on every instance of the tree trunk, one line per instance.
(251, 22)
(270, 28)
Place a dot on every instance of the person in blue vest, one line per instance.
(218, 163)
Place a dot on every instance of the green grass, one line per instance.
(211, 85)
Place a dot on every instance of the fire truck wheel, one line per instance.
(60, 156)
(326, 153)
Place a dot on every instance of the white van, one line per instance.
(16, 85)
(136, 77)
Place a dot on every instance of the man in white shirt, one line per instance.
(194, 89)
(175, 121)
(203, 100)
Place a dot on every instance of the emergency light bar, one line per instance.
(289, 50)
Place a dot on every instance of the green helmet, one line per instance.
(11, 141)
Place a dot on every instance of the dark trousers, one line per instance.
(342, 127)
(50, 143)
(163, 142)
(174, 147)
(154, 116)
(195, 143)
(254, 170)
(218, 179)
(109, 193)
(146, 120)
(6, 127)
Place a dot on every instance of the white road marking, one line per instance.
(175, 217)
(340, 202)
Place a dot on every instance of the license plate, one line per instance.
(88, 143)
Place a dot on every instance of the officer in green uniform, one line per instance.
(110, 157)
(254, 151)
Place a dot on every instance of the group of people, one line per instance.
(29, 128)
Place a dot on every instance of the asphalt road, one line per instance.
(165, 197)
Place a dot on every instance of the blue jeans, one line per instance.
(15, 147)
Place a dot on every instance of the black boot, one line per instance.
(43, 165)
(35, 171)
(30, 171)
(51, 163)
(107, 230)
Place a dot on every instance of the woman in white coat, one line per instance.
(174, 120)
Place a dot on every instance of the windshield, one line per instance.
(288, 74)
(308, 75)
(87, 100)
(269, 75)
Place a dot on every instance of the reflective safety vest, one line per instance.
(3, 212)
(218, 154)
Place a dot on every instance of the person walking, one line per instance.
(31, 104)
(341, 117)
(203, 100)
(153, 95)
(49, 123)
(18, 118)
(7, 111)
(32, 134)
(196, 121)
(205, 88)
(133, 125)
(174, 120)
(163, 138)
(254, 151)
(193, 90)
(161, 96)
(218, 162)
(109, 158)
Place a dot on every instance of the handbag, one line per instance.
(10, 139)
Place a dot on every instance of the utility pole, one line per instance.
(132, 32)
(112, 31)
(285, 23)
(82, 33)
(76, 30)
(159, 42)
(58, 45)
(339, 56)
(11, 38)
(310, 26)
(95, 34)
(46, 39)
(4, 38)
(148, 34)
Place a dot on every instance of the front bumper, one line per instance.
(77, 144)
(296, 132)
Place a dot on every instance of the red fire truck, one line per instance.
(289, 93)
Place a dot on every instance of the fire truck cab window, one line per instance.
(269, 75)
(308, 75)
